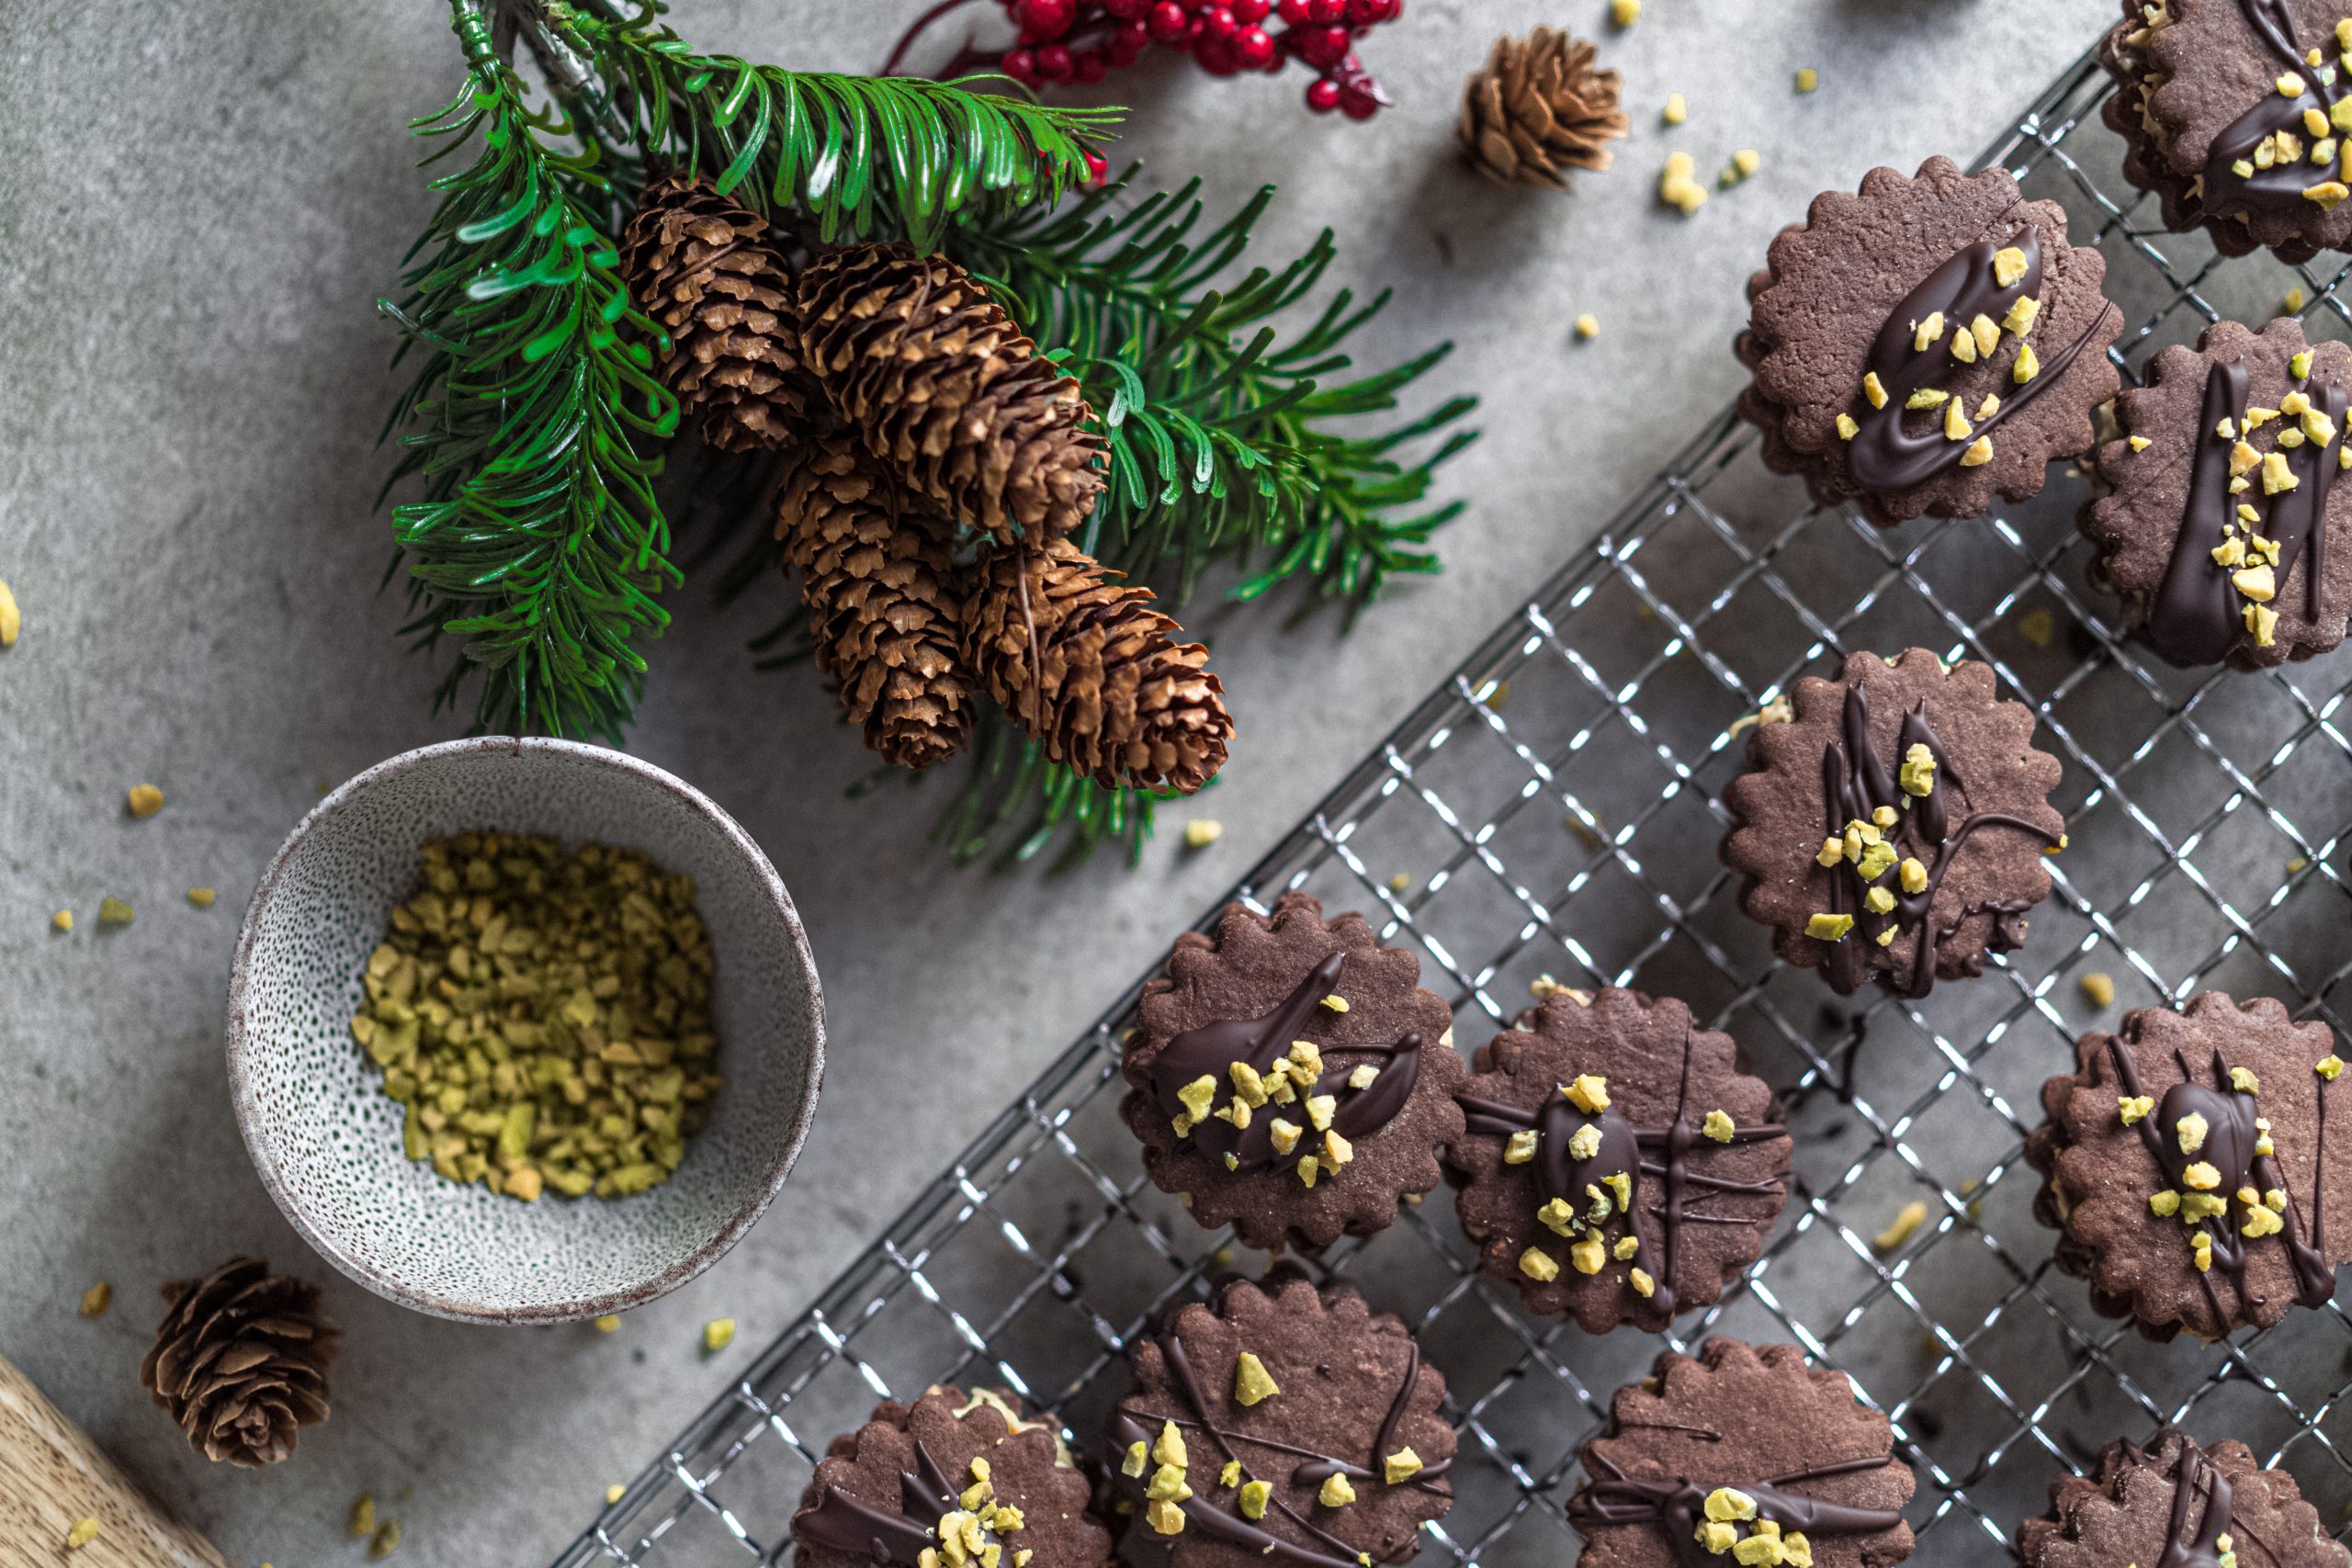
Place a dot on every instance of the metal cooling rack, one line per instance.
(1552, 810)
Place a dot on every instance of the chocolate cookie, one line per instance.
(1291, 1079)
(1285, 1424)
(2187, 1166)
(1704, 1456)
(2231, 112)
(954, 1480)
(2176, 1505)
(2223, 530)
(1927, 345)
(1619, 1165)
(1892, 830)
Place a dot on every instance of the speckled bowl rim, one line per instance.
(241, 1087)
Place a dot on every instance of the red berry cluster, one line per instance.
(1081, 41)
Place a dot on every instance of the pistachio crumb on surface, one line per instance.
(83, 1531)
(1624, 12)
(1807, 78)
(1903, 1226)
(97, 1299)
(113, 911)
(717, 1334)
(62, 921)
(1587, 325)
(202, 897)
(363, 1516)
(609, 1324)
(1676, 185)
(386, 1540)
(1676, 109)
(12, 620)
(2098, 988)
(143, 800)
(1203, 831)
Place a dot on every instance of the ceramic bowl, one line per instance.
(326, 1139)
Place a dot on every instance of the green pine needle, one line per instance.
(530, 422)
(861, 155)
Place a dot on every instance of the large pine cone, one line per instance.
(699, 263)
(240, 1361)
(882, 614)
(1538, 110)
(945, 391)
(1085, 665)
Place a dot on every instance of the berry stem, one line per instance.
(922, 23)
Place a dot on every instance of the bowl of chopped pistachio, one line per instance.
(522, 1030)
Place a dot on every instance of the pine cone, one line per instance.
(1086, 666)
(945, 391)
(240, 1361)
(696, 262)
(881, 613)
(1539, 108)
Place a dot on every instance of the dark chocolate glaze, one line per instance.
(2198, 616)
(1322, 1548)
(2230, 1135)
(1212, 1048)
(1855, 782)
(1622, 1148)
(2193, 1473)
(1675, 1507)
(2280, 187)
(841, 1523)
(1883, 455)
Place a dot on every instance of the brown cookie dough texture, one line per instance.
(2132, 1509)
(1978, 893)
(1248, 970)
(1742, 1442)
(1619, 1063)
(2185, 71)
(1835, 281)
(2139, 519)
(989, 1489)
(1285, 1424)
(2130, 1227)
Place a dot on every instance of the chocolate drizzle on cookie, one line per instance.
(1642, 1157)
(1680, 1509)
(1895, 840)
(1228, 1126)
(2227, 566)
(2238, 177)
(1224, 1521)
(842, 1523)
(2215, 1151)
(2194, 1473)
(1915, 349)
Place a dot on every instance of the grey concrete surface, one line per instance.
(198, 203)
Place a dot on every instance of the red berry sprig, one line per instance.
(1083, 40)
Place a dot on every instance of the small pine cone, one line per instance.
(698, 263)
(945, 391)
(1538, 109)
(1085, 665)
(882, 614)
(240, 1361)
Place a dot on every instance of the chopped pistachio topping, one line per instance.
(1963, 345)
(1729, 1504)
(1538, 1265)
(1873, 389)
(1252, 1501)
(1848, 429)
(2132, 1108)
(1137, 1460)
(1833, 850)
(2201, 1175)
(1310, 1168)
(1979, 453)
(2299, 366)
(2019, 319)
(2256, 582)
(1588, 1255)
(2163, 1205)
(2138, 442)
(1828, 928)
(1364, 1076)
(2191, 1130)
(1337, 1492)
(1588, 1094)
(2328, 1066)
(1986, 333)
(1163, 1519)
(1626, 1246)
(1912, 876)
(1334, 1002)
(1319, 1109)
(1584, 1142)
(2242, 1080)
(113, 911)
(143, 799)
(1559, 1216)
(1251, 1382)
(2009, 264)
(1718, 1126)
(1927, 398)
(1926, 332)
(1587, 325)
(1987, 408)
(1401, 1466)
(1917, 774)
(2262, 623)
(1518, 1149)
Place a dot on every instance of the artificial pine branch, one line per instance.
(529, 422)
(863, 157)
(1226, 442)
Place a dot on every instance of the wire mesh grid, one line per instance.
(1552, 810)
